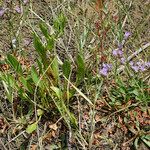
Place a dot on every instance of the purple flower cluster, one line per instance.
(105, 69)
(18, 9)
(126, 35)
(139, 66)
(2, 11)
(117, 52)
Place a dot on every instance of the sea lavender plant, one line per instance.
(105, 69)
(139, 66)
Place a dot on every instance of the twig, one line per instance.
(15, 137)
(125, 19)
(3, 144)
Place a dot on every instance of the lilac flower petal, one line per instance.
(131, 63)
(135, 68)
(139, 63)
(104, 71)
(25, 1)
(123, 60)
(2, 11)
(107, 66)
(18, 9)
(120, 52)
(120, 46)
(142, 68)
(147, 64)
(127, 34)
(114, 52)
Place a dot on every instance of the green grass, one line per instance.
(62, 82)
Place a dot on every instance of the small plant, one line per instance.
(86, 88)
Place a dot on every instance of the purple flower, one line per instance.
(106, 68)
(120, 46)
(139, 63)
(18, 9)
(135, 68)
(25, 1)
(27, 41)
(142, 68)
(114, 52)
(131, 63)
(2, 11)
(104, 71)
(117, 52)
(127, 34)
(147, 64)
(139, 66)
(120, 52)
(123, 60)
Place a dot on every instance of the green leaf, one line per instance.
(34, 75)
(50, 43)
(40, 50)
(57, 91)
(66, 68)
(49, 38)
(40, 67)
(146, 139)
(31, 128)
(80, 69)
(39, 46)
(14, 63)
(40, 112)
(24, 82)
(135, 92)
(55, 68)
(59, 23)
(12, 82)
(73, 120)
(9, 92)
(44, 30)
(136, 143)
(10, 85)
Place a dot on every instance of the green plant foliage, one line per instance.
(67, 115)
(10, 85)
(49, 38)
(55, 68)
(66, 68)
(59, 24)
(14, 63)
(80, 69)
(40, 49)
(44, 30)
(146, 140)
(34, 75)
(31, 128)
